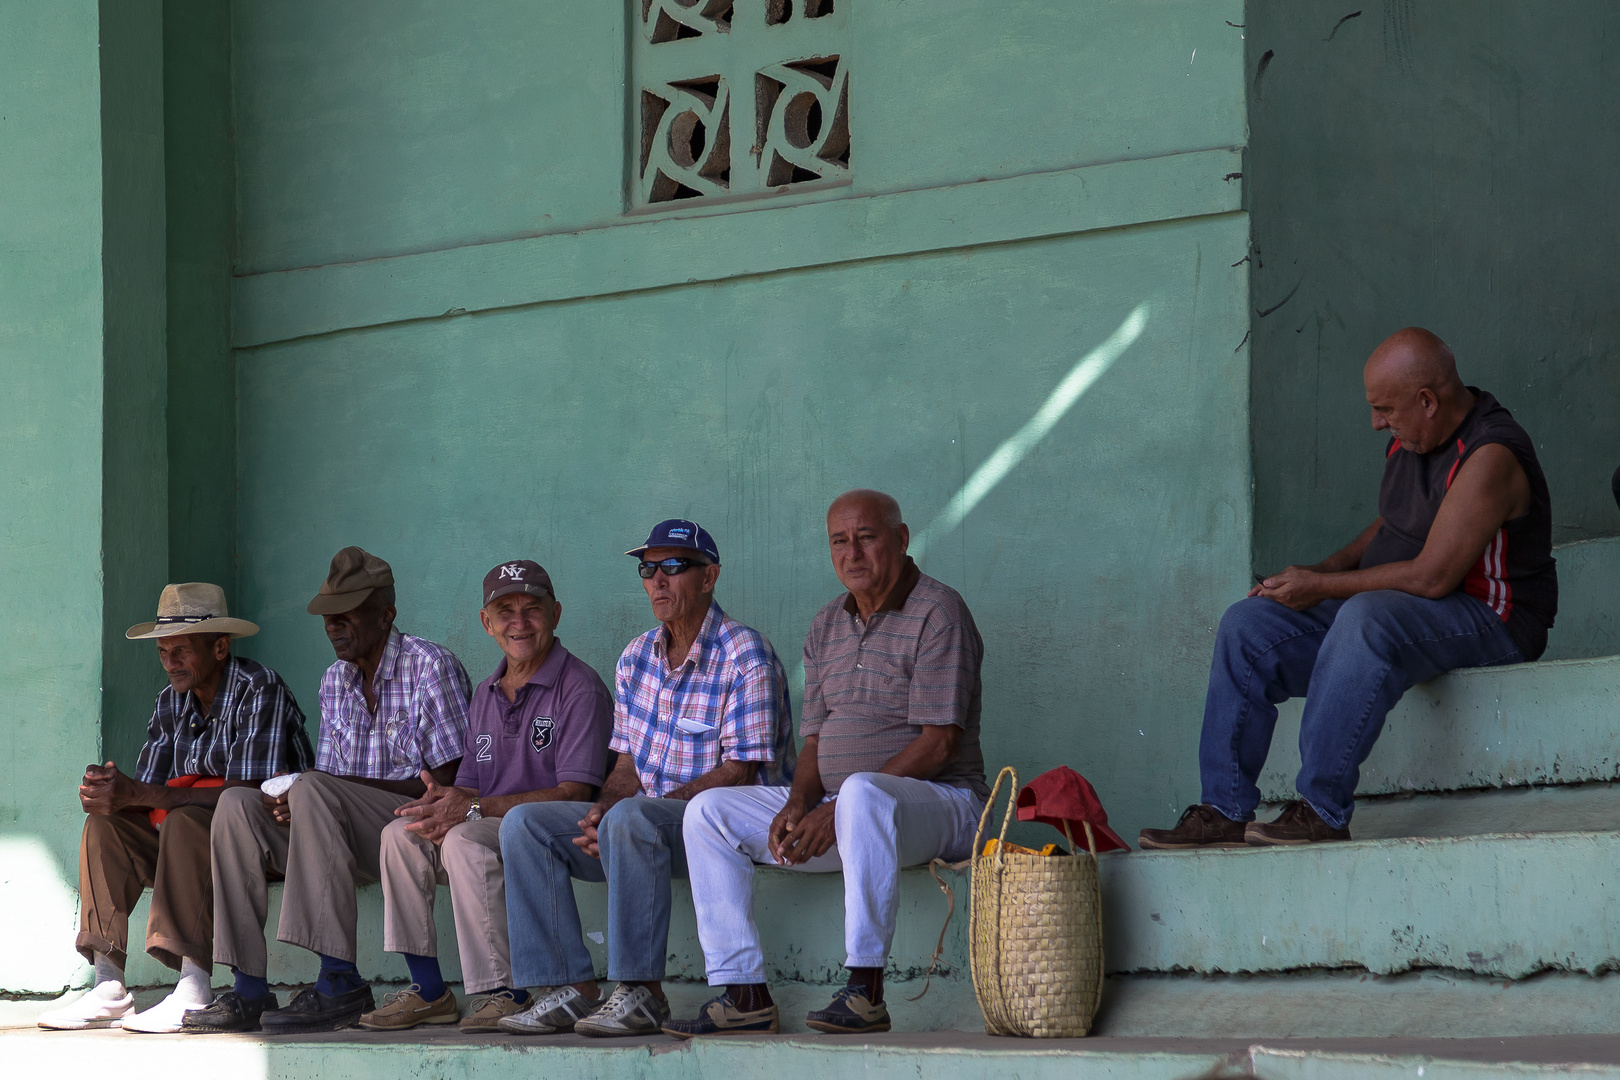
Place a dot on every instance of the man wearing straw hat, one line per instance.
(222, 722)
(891, 775)
(392, 707)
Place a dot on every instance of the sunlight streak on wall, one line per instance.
(1006, 457)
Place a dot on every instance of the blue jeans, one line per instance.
(640, 841)
(1351, 660)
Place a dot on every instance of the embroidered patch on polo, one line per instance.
(540, 734)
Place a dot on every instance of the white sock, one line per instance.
(108, 972)
(195, 985)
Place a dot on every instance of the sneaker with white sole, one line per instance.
(102, 1006)
(555, 1012)
(629, 1010)
(164, 1018)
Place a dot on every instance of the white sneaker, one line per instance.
(629, 1010)
(164, 1018)
(103, 1005)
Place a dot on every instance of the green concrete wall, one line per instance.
(81, 342)
(135, 485)
(1435, 164)
(201, 229)
(480, 355)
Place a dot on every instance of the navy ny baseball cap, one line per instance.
(676, 533)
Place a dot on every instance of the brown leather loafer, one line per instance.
(1201, 825)
(1297, 824)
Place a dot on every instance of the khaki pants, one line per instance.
(469, 861)
(122, 854)
(327, 851)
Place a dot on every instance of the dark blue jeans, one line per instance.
(1351, 660)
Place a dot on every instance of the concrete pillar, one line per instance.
(83, 454)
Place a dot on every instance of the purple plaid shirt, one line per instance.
(421, 718)
(727, 702)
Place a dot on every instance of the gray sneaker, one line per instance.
(629, 1010)
(554, 1013)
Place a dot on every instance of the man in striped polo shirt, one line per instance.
(891, 775)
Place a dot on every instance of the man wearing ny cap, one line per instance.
(392, 706)
(537, 732)
(700, 702)
(891, 775)
(223, 722)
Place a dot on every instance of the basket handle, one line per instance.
(1091, 841)
(984, 818)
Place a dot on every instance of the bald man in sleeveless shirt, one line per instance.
(1457, 571)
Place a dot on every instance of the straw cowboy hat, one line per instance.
(193, 608)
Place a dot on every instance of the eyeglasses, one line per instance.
(670, 567)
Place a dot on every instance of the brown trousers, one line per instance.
(122, 854)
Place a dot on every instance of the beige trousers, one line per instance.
(469, 861)
(330, 847)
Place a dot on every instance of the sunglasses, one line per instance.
(670, 567)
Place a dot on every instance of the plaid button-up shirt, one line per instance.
(421, 717)
(253, 731)
(728, 701)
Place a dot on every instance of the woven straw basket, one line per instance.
(1035, 936)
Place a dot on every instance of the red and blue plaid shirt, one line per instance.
(421, 718)
(728, 701)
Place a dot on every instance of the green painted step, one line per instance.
(1553, 722)
(951, 1056)
(1503, 905)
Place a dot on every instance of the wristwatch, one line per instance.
(475, 812)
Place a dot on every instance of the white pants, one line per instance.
(883, 823)
(469, 861)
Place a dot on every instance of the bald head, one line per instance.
(882, 506)
(1414, 389)
(1414, 358)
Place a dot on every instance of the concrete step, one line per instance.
(1500, 905)
(940, 1056)
(1588, 623)
(1553, 722)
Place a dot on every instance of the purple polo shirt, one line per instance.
(555, 732)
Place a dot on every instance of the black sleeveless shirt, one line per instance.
(1516, 577)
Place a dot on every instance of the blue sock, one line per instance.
(337, 976)
(250, 987)
(426, 975)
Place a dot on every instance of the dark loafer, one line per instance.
(311, 1010)
(228, 1012)
(720, 1016)
(1201, 825)
(1298, 823)
(851, 1013)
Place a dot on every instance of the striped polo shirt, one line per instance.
(869, 685)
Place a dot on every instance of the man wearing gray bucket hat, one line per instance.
(222, 722)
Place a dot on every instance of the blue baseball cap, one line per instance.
(676, 533)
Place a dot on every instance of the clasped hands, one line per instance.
(104, 790)
(438, 810)
(1297, 587)
(799, 833)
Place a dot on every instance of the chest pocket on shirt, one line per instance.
(399, 735)
(882, 677)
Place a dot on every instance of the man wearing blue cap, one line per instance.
(700, 702)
